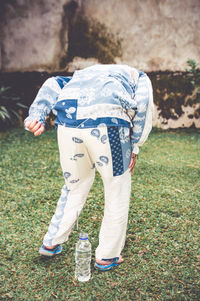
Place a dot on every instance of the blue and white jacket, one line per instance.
(100, 95)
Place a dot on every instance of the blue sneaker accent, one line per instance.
(50, 253)
(101, 267)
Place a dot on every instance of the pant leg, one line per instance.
(110, 149)
(79, 174)
(114, 224)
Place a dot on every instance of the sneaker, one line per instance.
(50, 253)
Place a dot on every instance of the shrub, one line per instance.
(10, 108)
(193, 76)
(175, 90)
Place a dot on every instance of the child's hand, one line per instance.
(132, 162)
(35, 127)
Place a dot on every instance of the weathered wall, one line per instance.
(182, 122)
(156, 34)
(153, 35)
(31, 34)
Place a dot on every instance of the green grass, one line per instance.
(162, 248)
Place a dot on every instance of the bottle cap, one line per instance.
(83, 236)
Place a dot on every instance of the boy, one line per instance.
(103, 115)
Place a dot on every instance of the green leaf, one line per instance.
(21, 105)
(4, 109)
(15, 113)
(4, 115)
(3, 89)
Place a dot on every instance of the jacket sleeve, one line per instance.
(142, 121)
(46, 98)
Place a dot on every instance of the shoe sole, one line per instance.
(104, 268)
(49, 254)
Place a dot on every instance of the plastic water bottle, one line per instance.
(83, 258)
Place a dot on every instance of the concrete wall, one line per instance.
(30, 36)
(153, 34)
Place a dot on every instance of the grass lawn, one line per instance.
(162, 247)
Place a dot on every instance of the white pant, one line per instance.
(80, 151)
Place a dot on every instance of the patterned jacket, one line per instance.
(100, 95)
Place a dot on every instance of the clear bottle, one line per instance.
(83, 258)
